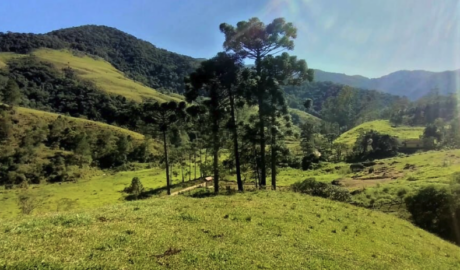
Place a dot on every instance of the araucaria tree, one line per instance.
(254, 40)
(217, 78)
(163, 116)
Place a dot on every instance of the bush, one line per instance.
(27, 202)
(436, 210)
(136, 188)
(312, 187)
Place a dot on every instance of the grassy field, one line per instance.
(103, 74)
(6, 56)
(28, 117)
(98, 189)
(261, 230)
(382, 126)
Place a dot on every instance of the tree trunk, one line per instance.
(194, 160)
(168, 188)
(273, 153)
(235, 145)
(215, 135)
(256, 164)
(182, 169)
(263, 172)
(190, 167)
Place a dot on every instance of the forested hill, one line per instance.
(412, 84)
(138, 59)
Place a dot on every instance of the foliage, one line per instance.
(136, 188)
(28, 203)
(311, 187)
(373, 144)
(341, 104)
(426, 110)
(437, 210)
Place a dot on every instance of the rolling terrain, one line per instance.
(382, 126)
(412, 84)
(242, 231)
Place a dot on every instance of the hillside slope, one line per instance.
(243, 231)
(382, 126)
(413, 84)
(28, 117)
(96, 70)
(138, 59)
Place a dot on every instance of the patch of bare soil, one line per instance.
(378, 176)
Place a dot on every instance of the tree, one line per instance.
(218, 77)
(136, 188)
(164, 115)
(11, 93)
(254, 40)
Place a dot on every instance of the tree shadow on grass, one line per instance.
(163, 190)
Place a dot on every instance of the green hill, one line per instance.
(26, 118)
(96, 70)
(382, 126)
(138, 59)
(265, 230)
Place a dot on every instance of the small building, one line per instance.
(208, 180)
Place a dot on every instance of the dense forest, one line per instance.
(341, 104)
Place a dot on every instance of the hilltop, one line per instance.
(242, 231)
(138, 59)
(382, 126)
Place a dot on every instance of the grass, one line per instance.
(103, 74)
(382, 126)
(96, 190)
(303, 116)
(261, 230)
(28, 117)
(6, 56)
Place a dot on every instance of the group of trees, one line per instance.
(341, 104)
(225, 83)
(56, 151)
(424, 111)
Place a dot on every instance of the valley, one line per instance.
(116, 154)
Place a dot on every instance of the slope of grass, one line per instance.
(303, 116)
(382, 126)
(103, 74)
(5, 57)
(28, 117)
(262, 230)
(98, 189)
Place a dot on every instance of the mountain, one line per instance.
(137, 59)
(412, 84)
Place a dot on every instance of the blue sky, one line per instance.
(366, 37)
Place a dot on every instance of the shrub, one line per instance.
(27, 202)
(312, 187)
(436, 210)
(136, 188)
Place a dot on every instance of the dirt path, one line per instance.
(188, 189)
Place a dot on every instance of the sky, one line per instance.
(371, 38)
